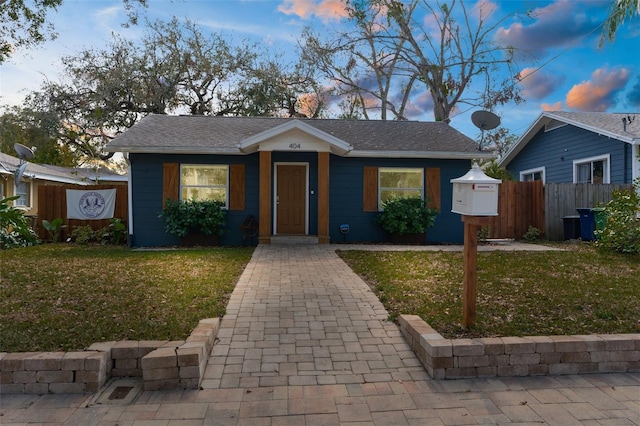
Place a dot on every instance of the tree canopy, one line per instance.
(394, 56)
(26, 24)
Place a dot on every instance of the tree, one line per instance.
(619, 11)
(38, 131)
(176, 68)
(364, 69)
(25, 24)
(498, 140)
(393, 55)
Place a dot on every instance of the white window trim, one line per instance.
(542, 170)
(380, 169)
(29, 195)
(226, 201)
(607, 166)
(635, 161)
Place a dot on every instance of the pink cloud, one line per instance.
(552, 107)
(324, 9)
(537, 84)
(555, 25)
(484, 9)
(598, 94)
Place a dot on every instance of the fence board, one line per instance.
(520, 205)
(562, 199)
(52, 203)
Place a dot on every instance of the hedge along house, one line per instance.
(295, 176)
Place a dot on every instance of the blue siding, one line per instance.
(345, 203)
(146, 178)
(557, 149)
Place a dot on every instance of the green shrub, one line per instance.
(532, 234)
(15, 227)
(114, 233)
(621, 232)
(406, 216)
(194, 216)
(84, 234)
(54, 228)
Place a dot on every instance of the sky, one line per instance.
(560, 61)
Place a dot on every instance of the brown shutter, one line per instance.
(236, 186)
(170, 182)
(370, 189)
(433, 187)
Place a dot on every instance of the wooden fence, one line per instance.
(52, 203)
(520, 205)
(562, 199)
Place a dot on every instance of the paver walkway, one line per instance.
(305, 342)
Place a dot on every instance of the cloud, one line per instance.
(326, 10)
(556, 25)
(633, 97)
(536, 84)
(552, 107)
(598, 94)
(484, 9)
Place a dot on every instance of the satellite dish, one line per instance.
(485, 120)
(24, 153)
(19, 172)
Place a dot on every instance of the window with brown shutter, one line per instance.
(433, 187)
(370, 189)
(170, 182)
(236, 186)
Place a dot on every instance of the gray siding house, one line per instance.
(295, 176)
(578, 147)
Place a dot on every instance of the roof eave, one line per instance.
(176, 150)
(443, 155)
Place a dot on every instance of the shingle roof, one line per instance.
(82, 176)
(206, 134)
(608, 124)
(603, 122)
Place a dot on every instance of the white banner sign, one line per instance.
(90, 205)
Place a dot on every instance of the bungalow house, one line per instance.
(36, 175)
(578, 147)
(295, 176)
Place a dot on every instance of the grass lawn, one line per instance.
(65, 297)
(577, 291)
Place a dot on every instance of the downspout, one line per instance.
(130, 235)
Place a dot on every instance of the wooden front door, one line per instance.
(291, 200)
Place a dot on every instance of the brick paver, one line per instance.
(305, 342)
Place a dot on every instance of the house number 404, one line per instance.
(294, 145)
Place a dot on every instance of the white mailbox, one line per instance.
(475, 194)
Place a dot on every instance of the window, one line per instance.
(399, 182)
(23, 190)
(533, 174)
(591, 170)
(204, 182)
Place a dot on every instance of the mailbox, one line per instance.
(475, 194)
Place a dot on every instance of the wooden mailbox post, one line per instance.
(475, 197)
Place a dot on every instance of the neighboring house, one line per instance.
(36, 175)
(296, 176)
(578, 147)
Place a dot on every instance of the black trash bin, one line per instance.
(571, 227)
(587, 224)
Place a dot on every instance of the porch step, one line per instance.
(294, 239)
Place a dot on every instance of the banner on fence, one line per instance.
(90, 204)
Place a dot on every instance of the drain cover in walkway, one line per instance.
(120, 392)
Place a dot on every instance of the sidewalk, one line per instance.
(305, 342)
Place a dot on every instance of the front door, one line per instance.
(291, 200)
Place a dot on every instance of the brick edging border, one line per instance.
(519, 356)
(162, 365)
